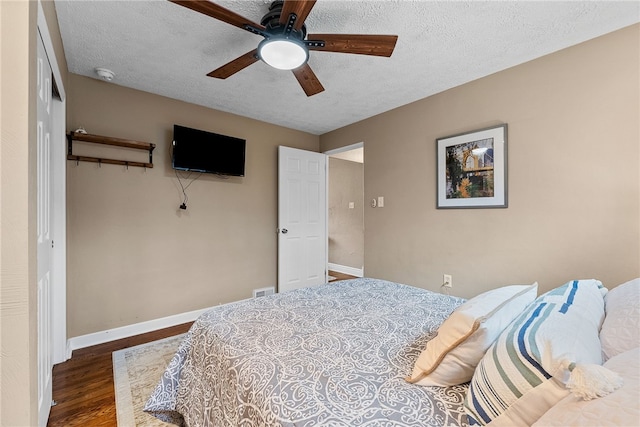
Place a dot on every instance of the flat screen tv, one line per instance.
(200, 151)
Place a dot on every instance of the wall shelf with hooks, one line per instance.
(106, 140)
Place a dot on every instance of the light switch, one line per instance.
(381, 201)
(352, 205)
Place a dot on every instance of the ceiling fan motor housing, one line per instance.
(271, 22)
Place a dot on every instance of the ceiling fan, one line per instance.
(286, 44)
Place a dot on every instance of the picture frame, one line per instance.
(472, 169)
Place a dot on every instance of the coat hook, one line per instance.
(127, 163)
(99, 163)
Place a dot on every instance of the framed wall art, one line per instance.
(472, 169)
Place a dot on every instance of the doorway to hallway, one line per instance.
(346, 210)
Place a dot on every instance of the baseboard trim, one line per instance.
(102, 337)
(352, 271)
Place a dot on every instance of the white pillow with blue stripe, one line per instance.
(525, 371)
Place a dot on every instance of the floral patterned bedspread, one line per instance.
(333, 355)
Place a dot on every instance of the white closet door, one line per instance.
(44, 242)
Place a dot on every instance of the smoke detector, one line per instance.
(104, 74)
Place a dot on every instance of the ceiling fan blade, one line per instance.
(213, 10)
(236, 65)
(308, 80)
(300, 7)
(362, 44)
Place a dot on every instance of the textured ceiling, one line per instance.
(166, 49)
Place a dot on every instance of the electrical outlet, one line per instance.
(447, 281)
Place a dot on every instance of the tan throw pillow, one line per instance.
(452, 356)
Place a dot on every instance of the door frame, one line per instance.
(60, 351)
(345, 148)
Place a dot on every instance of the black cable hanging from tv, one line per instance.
(183, 206)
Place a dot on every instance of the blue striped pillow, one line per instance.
(523, 373)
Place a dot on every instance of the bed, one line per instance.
(333, 355)
(369, 352)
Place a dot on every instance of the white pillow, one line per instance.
(524, 372)
(451, 357)
(620, 408)
(621, 327)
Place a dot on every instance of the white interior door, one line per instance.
(57, 199)
(302, 218)
(44, 245)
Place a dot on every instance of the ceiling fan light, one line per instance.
(283, 54)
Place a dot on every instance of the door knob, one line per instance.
(285, 231)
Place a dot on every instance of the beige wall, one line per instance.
(346, 226)
(18, 340)
(574, 184)
(133, 255)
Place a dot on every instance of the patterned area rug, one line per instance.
(136, 372)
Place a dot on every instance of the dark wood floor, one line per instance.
(339, 276)
(83, 385)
